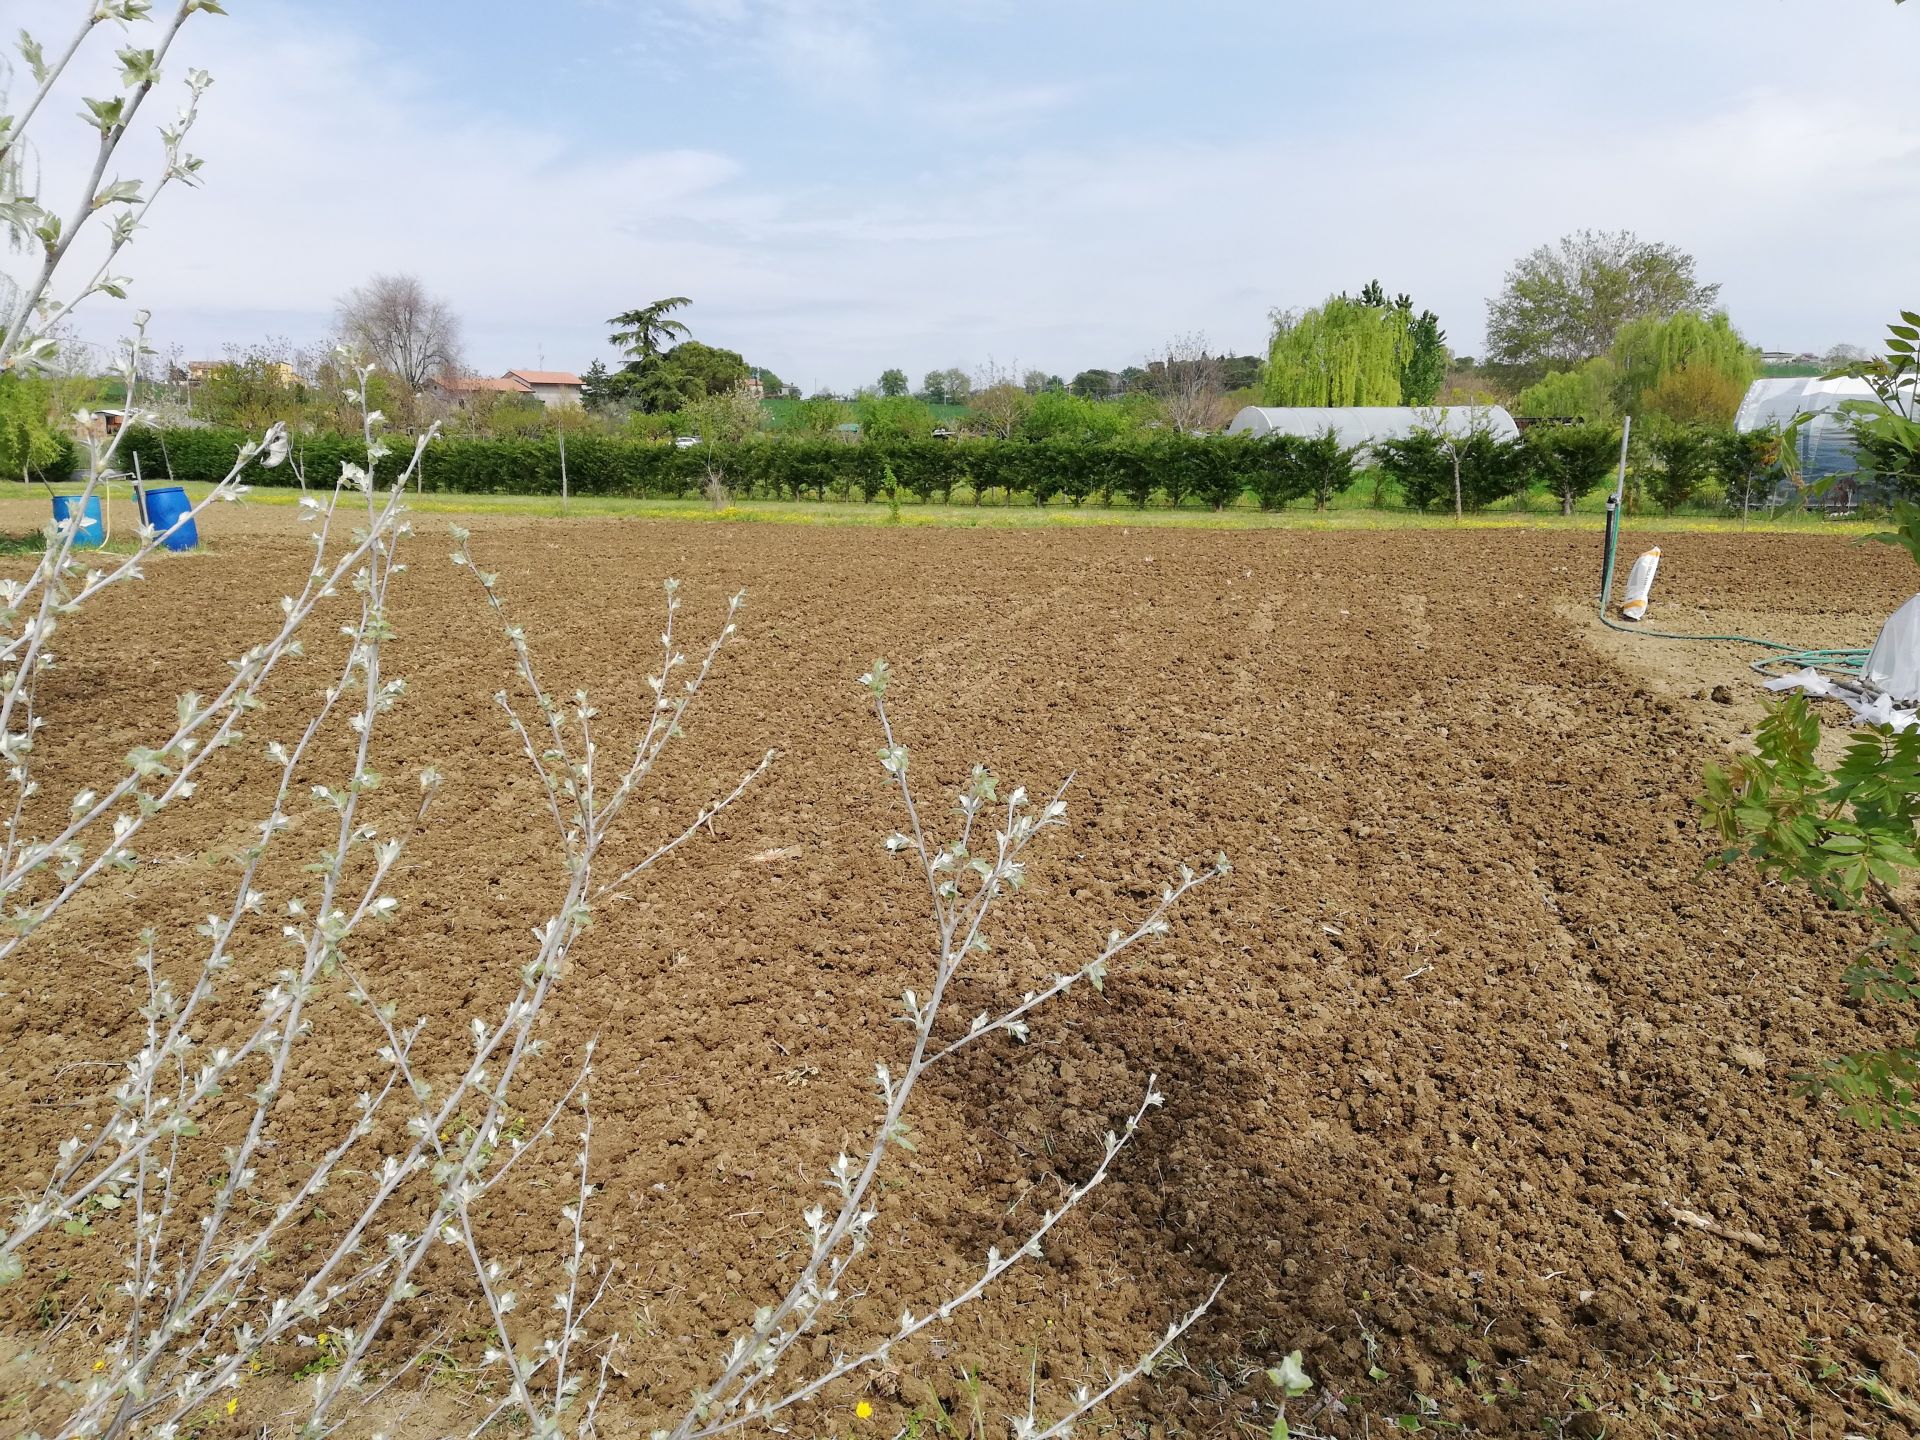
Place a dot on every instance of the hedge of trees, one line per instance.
(1430, 471)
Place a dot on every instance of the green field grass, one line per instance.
(1349, 512)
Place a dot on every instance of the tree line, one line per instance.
(1432, 469)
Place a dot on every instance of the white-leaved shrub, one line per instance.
(202, 1158)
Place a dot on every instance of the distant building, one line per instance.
(197, 372)
(552, 388)
(754, 386)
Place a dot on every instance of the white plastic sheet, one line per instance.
(1893, 665)
(1875, 709)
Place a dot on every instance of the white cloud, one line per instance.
(328, 162)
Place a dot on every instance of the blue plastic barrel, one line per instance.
(92, 533)
(166, 506)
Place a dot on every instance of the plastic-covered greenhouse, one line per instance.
(1365, 424)
(1823, 444)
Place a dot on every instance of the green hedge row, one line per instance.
(1213, 470)
(1217, 470)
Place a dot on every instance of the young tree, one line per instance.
(1418, 466)
(893, 417)
(999, 409)
(641, 332)
(1685, 454)
(595, 387)
(1220, 468)
(818, 417)
(1185, 379)
(1326, 466)
(413, 336)
(1567, 303)
(1486, 467)
(1572, 460)
(1274, 471)
(252, 388)
(1750, 465)
(28, 443)
(1058, 415)
(721, 423)
(893, 383)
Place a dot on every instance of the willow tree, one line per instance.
(1345, 352)
(1650, 350)
(1586, 392)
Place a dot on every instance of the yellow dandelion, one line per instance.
(863, 1410)
(232, 1405)
(99, 1365)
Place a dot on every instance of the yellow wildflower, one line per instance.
(232, 1405)
(863, 1410)
(99, 1365)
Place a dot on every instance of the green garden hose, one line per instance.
(1847, 663)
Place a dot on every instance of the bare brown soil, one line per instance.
(1442, 1055)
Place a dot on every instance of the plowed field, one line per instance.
(1443, 1054)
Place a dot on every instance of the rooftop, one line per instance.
(545, 377)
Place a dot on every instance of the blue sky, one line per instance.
(843, 185)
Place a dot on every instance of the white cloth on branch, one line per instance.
(1874, 709)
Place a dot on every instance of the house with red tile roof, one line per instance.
(552, 388)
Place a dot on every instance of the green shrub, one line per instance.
(1686, 456)
(1750, 465)
(1426, 464)
(1326, 466)
(1220, 469)
(1571, 460)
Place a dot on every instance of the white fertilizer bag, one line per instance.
(1893, 666)
(1640, 585)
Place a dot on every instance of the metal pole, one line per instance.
(1613, 519)
(563, 461)
(139, 490)
(1626, 434)
(1606, 550)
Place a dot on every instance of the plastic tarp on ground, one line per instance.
(1365, 424)
(1824, 446)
